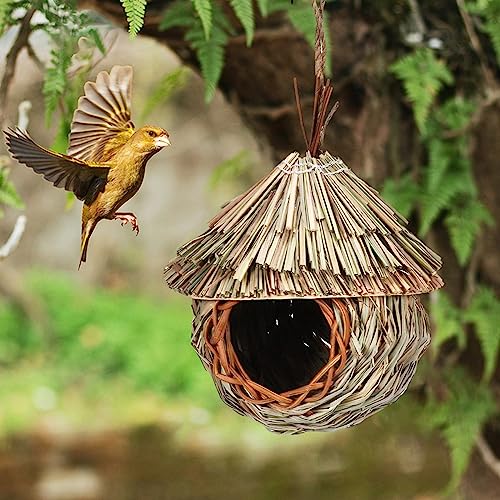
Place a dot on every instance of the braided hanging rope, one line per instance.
(228, 368)
(323, 88)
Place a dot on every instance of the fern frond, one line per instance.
(180, 13)
(464, 225)
(440, 158)
(55, 81)
(204, 10)
(244, 12)
(484, 313)
(135, 10)
(439, 199)
(66, 26)
(402, 194)
(263, 7)
(447, 321)
(455, 113)
(169, 84)
(423, 76)
(460, 418)
(210, 53)
(302, 18)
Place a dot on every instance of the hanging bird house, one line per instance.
(305, 292)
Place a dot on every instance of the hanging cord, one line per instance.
(323, 88)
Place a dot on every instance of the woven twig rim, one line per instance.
(228, 368)
(388, 335)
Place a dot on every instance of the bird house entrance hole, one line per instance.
(279, 351)
(281, 344)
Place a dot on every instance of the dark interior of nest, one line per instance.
(281, 344)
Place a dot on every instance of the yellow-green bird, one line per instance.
(106, 157)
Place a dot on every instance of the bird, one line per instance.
(106, 158)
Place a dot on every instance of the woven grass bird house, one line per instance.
(305, 292)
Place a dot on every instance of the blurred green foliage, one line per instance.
(443, 193)
(100, 335)
(8, 194)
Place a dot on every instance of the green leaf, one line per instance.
(484, 313)
(263, 7)
(8, 193)
(55, 81)
(204, 10)
(436, 200)
(5, 9)
(244, 12)
(66, 26)
(440, 157)
(423, 76)
(96, 38)
(401, 194)
(179, 14)
(210, 53)
(169, 84)
(303, 20)
(70, 201)
(135, 10)
(460, 418)
(447, 321)
(464, 225)
(455, 113)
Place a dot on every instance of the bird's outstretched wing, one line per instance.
(72, 174)
(102, 122)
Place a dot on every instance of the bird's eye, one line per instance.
(151, 133)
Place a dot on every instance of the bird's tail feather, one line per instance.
(87, 231)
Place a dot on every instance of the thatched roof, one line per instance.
(311, 228)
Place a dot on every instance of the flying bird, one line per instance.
(106, 158)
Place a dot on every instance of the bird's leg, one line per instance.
(127, 217)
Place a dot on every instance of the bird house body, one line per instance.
(305, 295)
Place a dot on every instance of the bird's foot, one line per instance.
(125, 217)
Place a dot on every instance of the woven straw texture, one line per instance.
(385, 337)
(311, 228)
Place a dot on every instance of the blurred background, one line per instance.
(101, 394)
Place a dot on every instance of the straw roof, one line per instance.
(311, 228)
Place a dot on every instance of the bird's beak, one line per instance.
(162, 141)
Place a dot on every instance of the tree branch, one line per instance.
(20, 42)
(476, 45)
(487, 455)
(11, 244)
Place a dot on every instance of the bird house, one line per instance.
(305, 296)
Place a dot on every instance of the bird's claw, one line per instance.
(124, 218)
